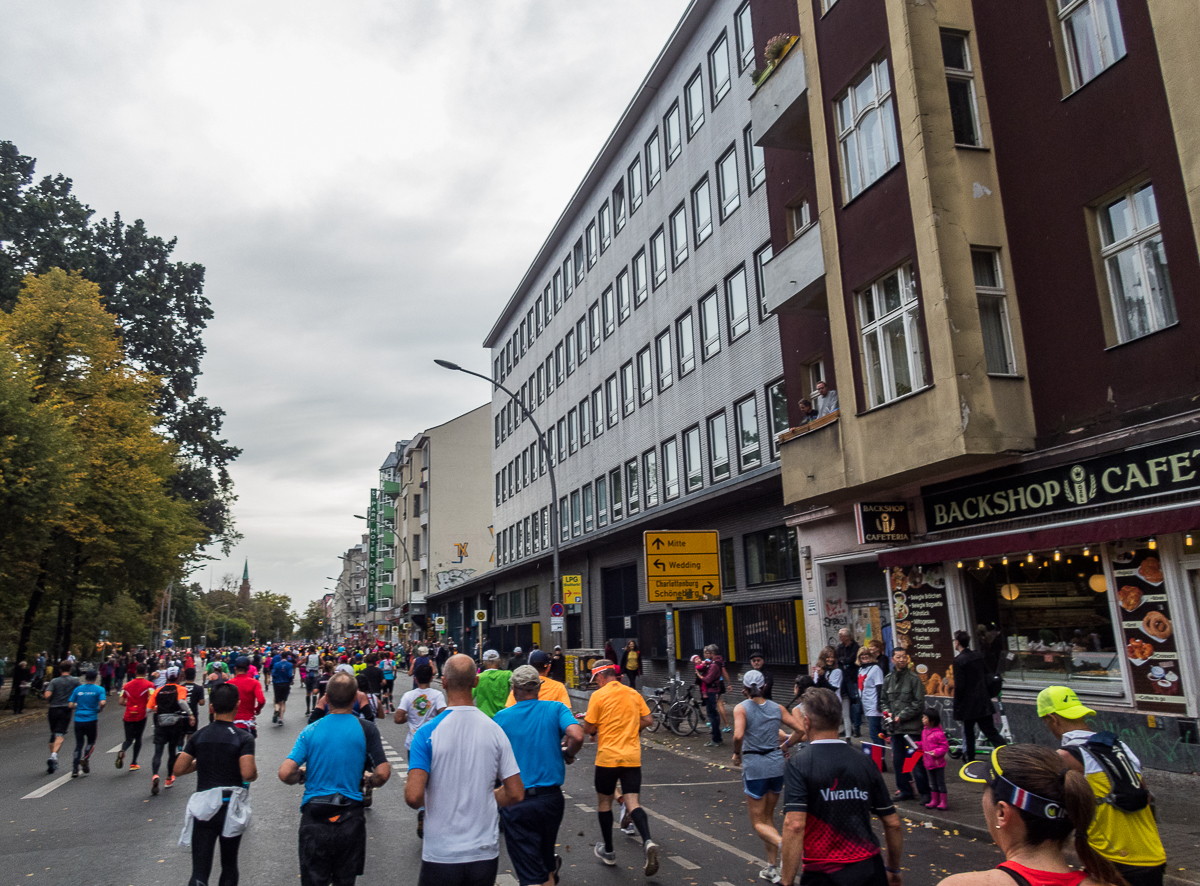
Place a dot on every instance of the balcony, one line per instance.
(779, 107)
(812, 459)
(424, 518)
(795, 277)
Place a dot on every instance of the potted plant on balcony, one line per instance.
(777, 47)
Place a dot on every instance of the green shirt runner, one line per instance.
(492, 691)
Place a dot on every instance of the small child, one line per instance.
(934, 748)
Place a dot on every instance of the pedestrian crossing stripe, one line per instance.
(684, 863)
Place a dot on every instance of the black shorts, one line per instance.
(608, 776)
(467, 873)
(530, 832)
(868, 872)
(1142, 876)
(310, 682)
(331, 851)
(60, 720)
(281, 691)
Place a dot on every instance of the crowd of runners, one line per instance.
(488, 747)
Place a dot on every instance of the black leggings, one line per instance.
(85, 740)
(205, 835)
(632, 675)
(171, 741)
(133, 736)
(987, 727)
(467, 873)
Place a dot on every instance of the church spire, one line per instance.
(244, 589)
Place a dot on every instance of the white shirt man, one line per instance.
(827, 400)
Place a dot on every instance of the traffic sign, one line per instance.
(682, 566)
(556, 610)
(572, 589)
(481, 615)
(439, 622)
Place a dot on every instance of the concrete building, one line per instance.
(638, 339)
(349, 605)
(984, 223)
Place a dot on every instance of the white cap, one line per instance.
(517, 651)
(345, 669)
(172, 672)
(754, 680)
(422, 650)
(491, 655)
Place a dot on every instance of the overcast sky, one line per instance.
(365, 183)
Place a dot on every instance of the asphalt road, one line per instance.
(105, 829)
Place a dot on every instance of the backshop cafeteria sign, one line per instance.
(1157, 469)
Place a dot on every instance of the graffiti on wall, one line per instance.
(837, 616)
(460, 551)
(448, 578)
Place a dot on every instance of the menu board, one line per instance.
(1148, 632)
(922, 624)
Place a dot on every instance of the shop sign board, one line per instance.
(1148, 631)
(572, 589)
(682, 566)
(922, 624)
(882, 522)
(1155, 469)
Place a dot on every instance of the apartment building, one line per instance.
(348, 607)
(639, 341)
(983, 221)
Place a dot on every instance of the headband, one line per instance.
(991, 774)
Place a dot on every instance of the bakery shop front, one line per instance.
(1084, 574)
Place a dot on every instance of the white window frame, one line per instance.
(628, 389)
(997, 297)
(595, 327)
(679, 237)
(693, 459)
(673, 122)
(1108, 50)
(749, 454)
(572, 431)
(764, 255)
(645, 375)
(743, 27)
(693, 99)
(718, 447)
(756, 160)
(776, 392)
(634, 177)
(718, 56)
(670, 465)
(710, 315)
(609, 301)
(737, 303)
(653, 161)
(633, 493)
(593, 245)
(728, 192)
(872, 323)
(665, 358)
(612, 400)
(650, 478)
(851, 118)
(640, 278)
(605, 226)
(702, 220)
(598, 412)
(658, 258)
(618, 202)
(965, 76)
(1160, 314)
(580, 263)
(685, 343)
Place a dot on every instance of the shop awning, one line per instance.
(1063, 535)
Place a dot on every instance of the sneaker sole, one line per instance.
(120, 759)
(651, 859)
(612, 863)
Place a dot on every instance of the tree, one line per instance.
(160, 305)
(312, 623)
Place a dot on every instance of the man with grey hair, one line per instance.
(491, 690)
(536, 730)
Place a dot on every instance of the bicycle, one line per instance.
(687, 712)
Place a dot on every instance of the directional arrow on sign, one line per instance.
(660, 565)
(658, 543)
(708, 587)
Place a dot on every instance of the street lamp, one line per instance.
(556, 589)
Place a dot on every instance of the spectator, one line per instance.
(517, 659)
(934, 748)
(903, 697)
(758, 663)
(827, 400)
(443, 655)
(631, 663)
(880, 653)
(825, 672)
(972, 701)
(807, 413)
(558, 665)
(21, 679)
(711, 672)
(870, 681)
(847, 662)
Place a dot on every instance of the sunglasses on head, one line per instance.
(991, 773)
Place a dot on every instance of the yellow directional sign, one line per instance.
(572, 589)
(682, 566)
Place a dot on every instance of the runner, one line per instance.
(282, 674)
(417, 707)
(491, 689)
(756, 748)
(616, 715)
(87, 701)
(195, 695)
(251, 699)
(549, 689)
(311, 676)
(172, 717)
(536, 729)
(388, 666)
(222, 756)
(832, 792)
(374, 679)
(58, 693)
(135, 696)
(453, 765)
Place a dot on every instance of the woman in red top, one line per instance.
(1031, 805)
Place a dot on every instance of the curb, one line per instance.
(27, 717)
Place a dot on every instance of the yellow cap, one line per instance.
(1062, 701)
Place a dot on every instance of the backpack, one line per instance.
(1127, 791)
(168, 709)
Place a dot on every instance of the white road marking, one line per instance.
(113, 750)
(566, 796)
(732, 850)
(48, 787)
(506, 880)
(584, 807)
(722, 883)
(684, 863)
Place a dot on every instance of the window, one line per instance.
(771, 555)
(761, 257)
(645, 376)
(593, 326)
(718, 448)
(524, 338)
(718, 70)
(702, 211)
(580, 267)
(728, 569)
(532, 536)
(635, 185)
(547, 305)
(799, 218)
(710, 325)
(633, 500)
(745, 37)
(597, 412)
(610, 308)
(1136, 264)
(576, 514)
(569, 347)
(585, 421)
(593, 246)
(601, 501)
(893, 359)
(687, 346)
(679, 238)
(1093, 36)
(756, 162)
(650, 478)
(581, 339)
(658, 257)
(627, 389)
(573, 431)
(501, 606)
(737, 304)
(561, 436)
(589, 509)
(662, 350)
(653, 162)
(558, 292)
(867, 130)
(611, 400)
(670, 463)
(564, 520)
(524, 468)
(549, 373)
(542, 456)
(605, 226)
(618, 204)
(567, 276)
(777, 413)
(694, 99)
(639, 277)
(993, 312)
(559, 363)
(672, 133)
(960, 83)
(614, 488)
(749, 452)
(727, 183)
(545, 527)
(691, 458)
(499, 491)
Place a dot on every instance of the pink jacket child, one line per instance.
(934, 747)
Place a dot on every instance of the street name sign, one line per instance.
(682, 566)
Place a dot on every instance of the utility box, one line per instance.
(579, 666)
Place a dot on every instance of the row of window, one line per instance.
(518, 603)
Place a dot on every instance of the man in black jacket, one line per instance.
(972, 701)
(847, 662)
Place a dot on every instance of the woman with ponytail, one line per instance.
(1032, 805)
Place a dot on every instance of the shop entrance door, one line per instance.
(867, 600)
(619, 588)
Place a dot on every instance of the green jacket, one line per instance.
(903, 696)
(492, 691)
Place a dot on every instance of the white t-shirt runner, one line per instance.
(421, 706)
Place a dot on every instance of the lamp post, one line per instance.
(556, 589)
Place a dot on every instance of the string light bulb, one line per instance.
(1029, 559)
(1057, 556)
(960, 564)
(1005, 560)
(980, 564)
(1187, 539)
(1153, 543)
(1087, 552)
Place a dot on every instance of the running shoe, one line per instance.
(120, 758)
(86, 766)
(609, 858)
(651, 857)
(727, 729)
(51, 765)
(630, 830)
(154, 786)
(275, 717)
(771, 874)
(170, 782)
(713, 744)
(134, 767)
(558, 861)
(74, 772)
